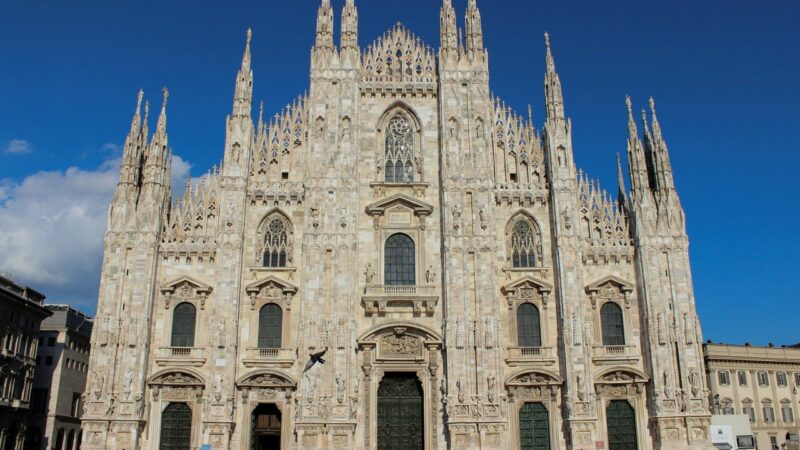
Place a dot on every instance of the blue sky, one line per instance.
(723, 74)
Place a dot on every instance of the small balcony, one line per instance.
(378, 299)
(612, 354)
(181, 356)
(530, 356)
(269, 357)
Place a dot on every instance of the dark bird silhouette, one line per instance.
(315, 358)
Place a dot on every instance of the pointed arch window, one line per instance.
(276, 241)
(270, 326)
(529, 333)
(612, 324)
(399, 166)
(526, 243)
(399, 267)
(183, 325)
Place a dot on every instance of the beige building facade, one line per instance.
(760, 382)
(464, 283)
(62, 365)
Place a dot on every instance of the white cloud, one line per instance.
(18, 147)
(52, 226)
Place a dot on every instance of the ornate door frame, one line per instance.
(539, 386)
(175, 386)
(627, 384)
(266, 387)
(401, 347)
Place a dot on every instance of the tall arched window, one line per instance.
(399, 151)
(183, 324)
(525, 243)
(276, 241)
(399, 267)
(612, 324)
(529, 333)
(270, 326)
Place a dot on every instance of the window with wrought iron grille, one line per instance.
(612, 324)
(724, 378)
(399, 166)
(399, 268)
(525, 243)
(763, 379)
(276, 241)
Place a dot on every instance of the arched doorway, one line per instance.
(59, 438)
(176, 427)
(621, 426)
(401, 421)
(266, 428)
(534, 427)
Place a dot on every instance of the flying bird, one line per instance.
(315, 358)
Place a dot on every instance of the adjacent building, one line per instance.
(760, 382)
(21, 313)
(465, 284)
(62, 365)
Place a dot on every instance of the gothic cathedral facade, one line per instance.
(397, 260)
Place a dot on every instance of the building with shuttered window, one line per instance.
(397, 260)
(760, 382)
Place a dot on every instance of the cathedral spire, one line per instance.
(637, 164)
(132, 151)
(325, 26)
(661, 160)
(554, 98)
(160, 137)
(243, 95)
(447, 29)
(349, 37)
(474, 27)
(622, 195)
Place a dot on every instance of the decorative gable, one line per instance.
(271, 288)
(185, 288)
(399, 209)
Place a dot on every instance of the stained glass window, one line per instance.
(276, 239)
(613, 326)
(525, 244)
(400, 261)
(183, 324)
(528, 330)
(270, 326)
(399, 166)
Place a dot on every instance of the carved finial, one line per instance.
(249, 35)
(652, 105)
(629, 104)
(139, 100)
(547, 39)
(165, 93)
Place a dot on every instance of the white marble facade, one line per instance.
(396, 139)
